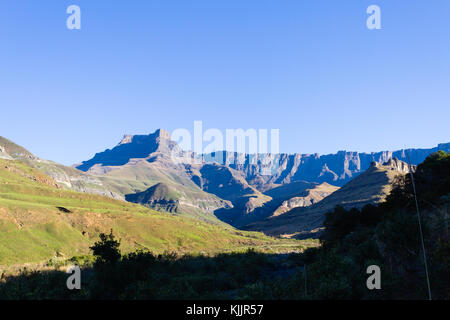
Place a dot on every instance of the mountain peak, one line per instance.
(132, 147)
(158, 135)
(161, 133)
(128, 138)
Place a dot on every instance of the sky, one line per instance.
(310, 68)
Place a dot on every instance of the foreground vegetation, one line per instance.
(143, 275)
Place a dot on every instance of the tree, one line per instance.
(106, 250)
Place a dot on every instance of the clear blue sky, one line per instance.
(310, 68)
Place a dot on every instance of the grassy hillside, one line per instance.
(39, 220)
(67, 177)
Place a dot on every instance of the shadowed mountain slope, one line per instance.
(230, 185)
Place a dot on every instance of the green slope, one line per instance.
(67, 177)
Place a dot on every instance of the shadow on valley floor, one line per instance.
(142, 275)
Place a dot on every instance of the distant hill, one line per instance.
(370, 187)
(159, 196)
(290, 190)
(306, 198)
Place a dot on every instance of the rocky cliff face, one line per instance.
(263, 171)
(336, 169)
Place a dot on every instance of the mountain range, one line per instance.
(279, 194)
(336, 169)
(242, 189)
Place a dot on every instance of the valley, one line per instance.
(51, 211)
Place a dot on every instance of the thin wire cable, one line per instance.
(306, 290)
(420, 226)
